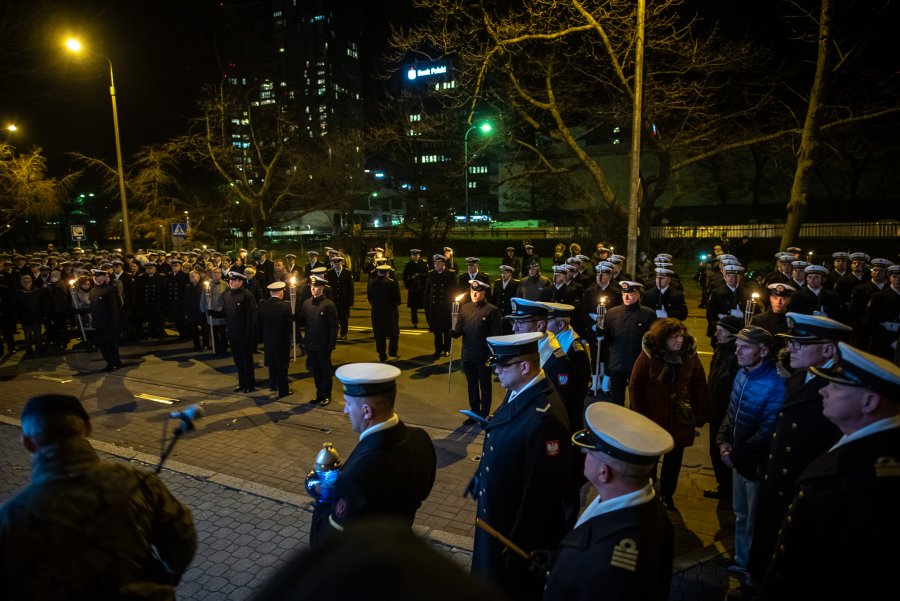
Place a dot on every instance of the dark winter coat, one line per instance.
(664, 384)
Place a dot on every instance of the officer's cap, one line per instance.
(726, 257)
(575, 259)
(756, 335)
(274, 286)
(616, 259)
(858, 256)
(840, 255)
(571, 268)
(310, 253)
(663, 271)
(415, 251)
(290, 256)
(816, 269)
(623, 434)
(561, 268)
(559, 309)
(781, 289)
(99, 272)
(384, 269)
(793, 249)
(176, 261)
(367, 379)
(784, 257)
(148, 264)
(327, 249)
(438, 257)
(337, 259)
(479, 285)
(663, 257)
(733, 269)
(524, 309)
(511, 248)
(529, 247)
(504, 348)
(584, 259)
(506, 268)
(472, 260)
(236, 275)
(370, 253)
(447, 249)
(858, 368)
(883, 263)
(893, 269)
(318, 270)
(799, 264)
(814, 328)
(534, 264)
(629, 286)
(605, 267)
(316, 280)
(54, 404)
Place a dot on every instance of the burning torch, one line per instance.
(75, 306)
(209, 319)
(293, 315)
(454, 316)
(748, 309)
(601, 319)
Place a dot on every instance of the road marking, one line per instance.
(156, 399)
(369, 331)
(704, 352)
(50, 379)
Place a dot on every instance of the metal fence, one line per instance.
(885, 229)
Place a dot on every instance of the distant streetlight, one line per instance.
(74, 45)
(485, 128)
(12, 127)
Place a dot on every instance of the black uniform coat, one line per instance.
(475, 323)
(501, 297)
(774, 323)
(519, 486)
(722, 300)
(275, 328)
(845, 285)
(802, 434)
(463, 284)
(883, 308)
(624, 329)
(105, 307)
(839, 538)
(174, 284)
(148, 293)
(384, 297)
(440, 289)
(583, 324)
(389, 473)
(308, 267)
(319, 317)
(671, 300)
(414, 280)
(594, 559)
(826, 301)
(240, 314)
(341, 287)
(564, 294)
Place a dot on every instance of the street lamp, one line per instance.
(75, 46)
(11, 127)
(485, 128)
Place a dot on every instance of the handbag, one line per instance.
(684, 413)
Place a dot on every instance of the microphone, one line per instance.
(191, 414)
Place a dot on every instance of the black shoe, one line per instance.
(382, 358)
(250, 389)
(713, 493)
(415, 326)
(446, 353)
(324, 402)
(110, 368)
(343, 337)
(470, 421)
(272, 388)
(436, 356)
(238, 389)
(313, 402)
(669, 502)
(289, 392)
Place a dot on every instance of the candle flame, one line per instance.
(755, 295)
(71, 282)
(206, 283)
(602, 300)
(460, 297)
(293, 281)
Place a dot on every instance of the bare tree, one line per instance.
(25, 189)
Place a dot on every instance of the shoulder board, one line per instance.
(558, 352)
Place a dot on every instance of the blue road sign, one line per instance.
(179, 230)
(78, 233)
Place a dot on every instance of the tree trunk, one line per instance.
(809, 140)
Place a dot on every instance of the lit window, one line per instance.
(415, 117)
(473, 185)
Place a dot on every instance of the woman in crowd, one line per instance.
(668, 385)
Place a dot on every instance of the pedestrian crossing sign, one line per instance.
(179, 230)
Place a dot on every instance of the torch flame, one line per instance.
(755, 295)
(460, 297)
(293, 281)
(206, 283)
(602, 300)
(71, 282)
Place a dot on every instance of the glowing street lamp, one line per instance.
(484, 128)
(75, 46)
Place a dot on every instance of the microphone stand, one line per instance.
(184, 427)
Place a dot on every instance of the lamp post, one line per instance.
(75, 46)
(485, 128)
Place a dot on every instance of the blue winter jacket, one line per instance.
(749, 422)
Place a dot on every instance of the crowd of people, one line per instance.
(604, 391)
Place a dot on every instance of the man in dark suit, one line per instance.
(561, 291)
(414, 273)
(391, 470)
(275, 324)
(105, 309)
(384, 298)
(312, 262)
(320, 318)
(241, 321)
(504, 290)
(476, 321)
(815, 299)
(623, 543)
(440, 289)
(802, 433)
(857, 275)
(665, 300)
(519, 485)
(341, 283)
(472, 273)
(843, 521)
(730, 298)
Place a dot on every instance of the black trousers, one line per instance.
(618, 385)
(478, 378)
(199, 333)
(414, 316)
(278, 377)
(343, 318)
(722, 472)
(221, 339)
(319, 365)
(441, 342)
(668, 473)
(8, 332)
(242, 351)
(108, 341)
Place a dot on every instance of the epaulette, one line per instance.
(558, 352)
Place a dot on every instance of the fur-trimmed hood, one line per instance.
(652, 351)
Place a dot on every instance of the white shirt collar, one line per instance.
(513, 393)
(810, 375)
(880, 426)
(388, 423)
(599, 507)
